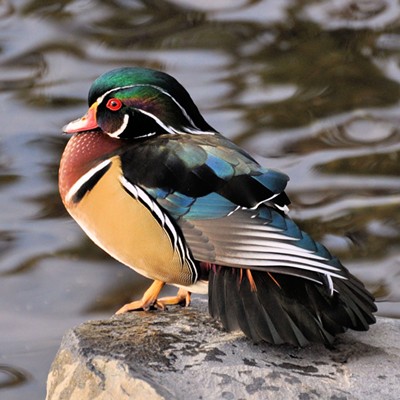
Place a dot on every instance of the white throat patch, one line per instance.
(120, 129)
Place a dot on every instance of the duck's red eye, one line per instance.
(114, 104)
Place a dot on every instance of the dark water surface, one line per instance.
(312, 87)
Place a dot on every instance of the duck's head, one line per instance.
(132, 103)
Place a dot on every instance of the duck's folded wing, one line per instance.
(274, 281)
(261, 239)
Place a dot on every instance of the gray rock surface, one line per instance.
(184, 354)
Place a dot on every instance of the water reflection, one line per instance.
(312, 87)
(11, 376)
(373, 14)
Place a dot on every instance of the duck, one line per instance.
(164, 193)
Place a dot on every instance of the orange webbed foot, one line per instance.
(182, 297)
(150, 299)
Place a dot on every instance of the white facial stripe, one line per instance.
(177, 103)
(83, 179)
(121, 128)
(159, 122)
(170, 129)
(101, 98)
(196, 130)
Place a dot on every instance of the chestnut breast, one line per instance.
(83, 152)
(116, 221)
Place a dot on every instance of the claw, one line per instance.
(150, 299)
(182, 297)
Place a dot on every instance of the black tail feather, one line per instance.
(287, 309)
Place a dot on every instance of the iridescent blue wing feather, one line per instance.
(202, 181)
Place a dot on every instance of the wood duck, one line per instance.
(160, 190)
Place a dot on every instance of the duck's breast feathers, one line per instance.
(82, 156)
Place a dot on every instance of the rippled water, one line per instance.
(311, 87)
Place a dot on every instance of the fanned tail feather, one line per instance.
(280, 308)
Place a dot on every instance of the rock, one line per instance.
(184, 354)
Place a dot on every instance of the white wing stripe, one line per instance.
(293, 250)
(260, 244)
(250, 225)
(237, 255)
(165, 222)
(240, 263)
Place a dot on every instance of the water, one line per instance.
(311, 87)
